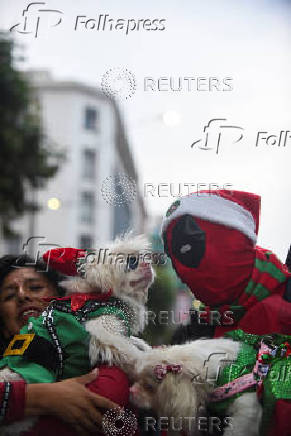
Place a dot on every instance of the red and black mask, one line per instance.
(215, 261)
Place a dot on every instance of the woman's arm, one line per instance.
(68, 400)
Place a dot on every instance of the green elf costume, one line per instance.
(56, 345)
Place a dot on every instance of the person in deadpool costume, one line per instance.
(210, 237)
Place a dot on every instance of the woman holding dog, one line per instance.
(23, 285)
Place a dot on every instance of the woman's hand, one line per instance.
(70, 401)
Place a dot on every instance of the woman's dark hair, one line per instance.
(9, 263)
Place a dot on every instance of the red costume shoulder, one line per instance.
(271, 315)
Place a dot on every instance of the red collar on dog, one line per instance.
(78, 299)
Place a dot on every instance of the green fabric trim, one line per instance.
(257, 289)
(270, 268)
(250, 286)
(261, 292)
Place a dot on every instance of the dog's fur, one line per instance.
(108, 341)
(184, 395)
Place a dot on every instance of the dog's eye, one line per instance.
(148, 387)
(91, 258)
(132, 263)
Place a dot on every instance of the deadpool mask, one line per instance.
(215, 261)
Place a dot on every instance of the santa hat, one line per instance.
(235, 209)
(64, 260)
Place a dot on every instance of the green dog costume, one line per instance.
(55, 345)
(276, 366)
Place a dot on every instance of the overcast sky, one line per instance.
(247, 41)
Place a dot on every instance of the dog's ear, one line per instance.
(99, 276)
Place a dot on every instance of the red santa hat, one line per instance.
(235, 209)
(64, 260)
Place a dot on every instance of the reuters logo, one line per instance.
(119, 422)
(118, 83)
(119, 189)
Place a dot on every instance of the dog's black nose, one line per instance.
(188, 241)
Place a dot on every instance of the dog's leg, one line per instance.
(245, 415)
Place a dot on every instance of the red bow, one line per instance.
(78, 299)
(161, 371)
(288, 349)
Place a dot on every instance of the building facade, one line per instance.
(87, 125)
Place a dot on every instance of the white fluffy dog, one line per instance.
(128, 280)
(175, 382)
(123, 270)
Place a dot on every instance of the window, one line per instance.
(122, 219)
(91, 118)
(89, 164)
(87, 207)
(13, 244)
(85, 242)
(122, 212)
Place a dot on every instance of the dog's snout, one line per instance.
(134, 389)
(145, 265)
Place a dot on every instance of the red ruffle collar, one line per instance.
(78, 299)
